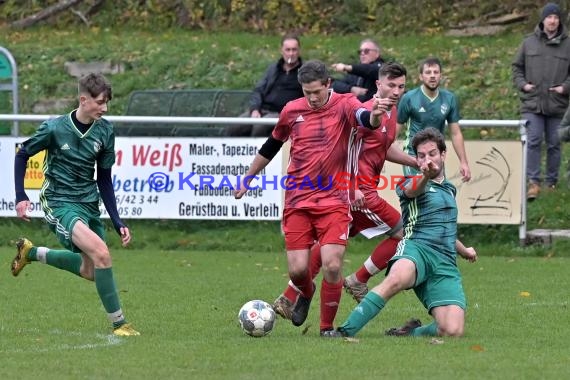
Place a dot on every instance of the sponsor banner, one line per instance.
(494, 194)
(168, 178)
(193, 178)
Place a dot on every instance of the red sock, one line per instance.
(314, 267)
(379, 258)
(291, 294)
(330, 298)
(315, 262)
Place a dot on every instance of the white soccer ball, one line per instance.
(256, 318)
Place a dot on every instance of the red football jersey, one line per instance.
(372, 146)
(322, 144)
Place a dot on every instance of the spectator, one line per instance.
(541, 70)
(360, 78)
(278, 86)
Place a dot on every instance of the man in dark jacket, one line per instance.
(541, 72)
(278, 86)
(360, 79)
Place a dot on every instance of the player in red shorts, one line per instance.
(322, 128)
(372, 215)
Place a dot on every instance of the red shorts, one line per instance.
(376, 218)
(327, 225)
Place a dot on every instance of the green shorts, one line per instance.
(438, 281)
(62, 216)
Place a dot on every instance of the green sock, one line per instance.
(427, 330)
(32, 255)
(63, 259)
(107, 290)
(367, 309)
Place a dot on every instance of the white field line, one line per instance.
(93, 342)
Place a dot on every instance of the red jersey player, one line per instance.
(372, 215)
(322, 127)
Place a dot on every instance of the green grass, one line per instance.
(185, 304)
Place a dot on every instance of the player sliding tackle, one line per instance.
(426, 257)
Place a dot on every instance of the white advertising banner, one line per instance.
(169, 178)
(193, 178)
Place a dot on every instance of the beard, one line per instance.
(431, 86)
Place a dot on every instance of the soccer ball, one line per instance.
(256, 318)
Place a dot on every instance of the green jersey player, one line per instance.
(431, 106)
(75, 144)
(425, 257)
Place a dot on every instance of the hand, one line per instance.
(429, 169)
(359, 200)
(242, 188)
(125, 236)
(255, 113)
(22, 209)
(470, 254)
(465, 172)
(339, 67)
(357, 91)
(528, 87)
(557, 89)
(381, 105)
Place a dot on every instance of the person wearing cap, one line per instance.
(541, 73)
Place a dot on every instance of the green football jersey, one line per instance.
(431, 217)
(418, 112)
(69, 164)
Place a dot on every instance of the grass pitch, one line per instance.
(185, 304)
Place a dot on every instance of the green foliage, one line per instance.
(310, 16)
(477, 69)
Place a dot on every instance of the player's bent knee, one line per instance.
(87, 271)
(332, 269)
(298, 276)
(101, 258)
(452, 330)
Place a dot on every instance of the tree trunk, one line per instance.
(45, 13)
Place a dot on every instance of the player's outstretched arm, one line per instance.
(268, 150)
(398, 156)
(418, 184)
(258, 164)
